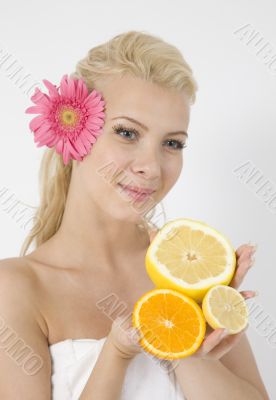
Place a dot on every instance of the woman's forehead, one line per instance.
(145, 100)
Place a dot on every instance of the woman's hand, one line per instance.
(245, 260)
(217, 342)
(124, 337)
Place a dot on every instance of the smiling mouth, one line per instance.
(133, 194)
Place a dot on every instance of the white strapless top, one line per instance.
(146, 378)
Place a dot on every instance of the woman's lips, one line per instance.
(135, 195)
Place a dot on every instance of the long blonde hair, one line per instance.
(136, 53)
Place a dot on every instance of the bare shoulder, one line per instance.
(24, 355)
(19, 282)
(19, 279)
(15, 268)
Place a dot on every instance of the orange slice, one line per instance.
(171, 324)
(191, 257)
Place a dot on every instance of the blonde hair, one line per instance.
(136, 53)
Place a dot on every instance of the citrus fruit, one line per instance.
(171, 324)
(224, 307)
(191, 257)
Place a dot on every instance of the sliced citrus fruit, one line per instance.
(191, 257)
(224, 307)
(171, 324)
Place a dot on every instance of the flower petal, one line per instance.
(66, 153)
(95, 120)
(95, 110)
(41, 98)
(82, 91)
(52, 88)
(98, 132)
(74, 152)
(71, 88)
(64, 89)
(89, 101)
(37, 110)
(59, 146)
(38, 136)
(53, 142)
(46, 126)
(36, 122)
(46, 139)
(94, 93)
(80, 146)
(89, 135)
(47, 132)
(85, 141)
(92, 127)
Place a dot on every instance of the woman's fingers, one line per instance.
(218, 343)
(152, 234)
(210, 342)
(244, 262)
(127, 333)
(244, 252)
(247, 294)
(244, 249)
(225, 345)
(240, 274)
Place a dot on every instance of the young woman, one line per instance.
(90, 244)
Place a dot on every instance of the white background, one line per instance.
(232, 121)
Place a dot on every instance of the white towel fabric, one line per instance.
(146, 378)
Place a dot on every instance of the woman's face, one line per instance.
(145, 156)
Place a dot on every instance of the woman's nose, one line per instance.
(147, 163)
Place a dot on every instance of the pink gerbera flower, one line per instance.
(71, 119)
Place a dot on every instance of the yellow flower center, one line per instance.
(69, 117)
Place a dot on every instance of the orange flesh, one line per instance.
(169, 323)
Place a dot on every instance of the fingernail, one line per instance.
(252, 261)
(253, 251)
(252, 244)
(251, 294)
(254, 247)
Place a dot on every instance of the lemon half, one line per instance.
(191, 257)
(224, 307)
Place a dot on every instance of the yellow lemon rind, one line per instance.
(162, 278)
(212, 320)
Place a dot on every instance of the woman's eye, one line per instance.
(119, 129)
(178, 145)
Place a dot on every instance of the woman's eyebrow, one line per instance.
(146, 128)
